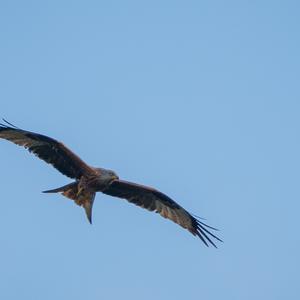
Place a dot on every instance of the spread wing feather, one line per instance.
(47, 149)
(154, 200)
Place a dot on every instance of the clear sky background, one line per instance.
(199, 99)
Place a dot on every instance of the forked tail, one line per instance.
(84, 198)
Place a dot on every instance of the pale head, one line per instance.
(107, 175)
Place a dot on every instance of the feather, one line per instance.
(152, 199)
(47, 149)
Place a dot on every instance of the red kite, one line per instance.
(89, 180)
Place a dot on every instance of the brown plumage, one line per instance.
(89, 180)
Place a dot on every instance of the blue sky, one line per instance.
(199, 99)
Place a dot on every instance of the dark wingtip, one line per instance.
(52, 191)
(200, 229)
(10, 124)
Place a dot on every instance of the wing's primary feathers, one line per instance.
(47, 149)
(154, 200)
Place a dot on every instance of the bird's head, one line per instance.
(108, 175)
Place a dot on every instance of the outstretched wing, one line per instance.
(154, 200)
(47, 149)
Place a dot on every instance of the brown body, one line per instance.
(83, 191)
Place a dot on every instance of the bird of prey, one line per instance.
(89, 180)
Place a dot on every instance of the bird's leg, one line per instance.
(79, 190)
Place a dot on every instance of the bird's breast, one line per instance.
(95, 183)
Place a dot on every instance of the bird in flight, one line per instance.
(89, 180)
